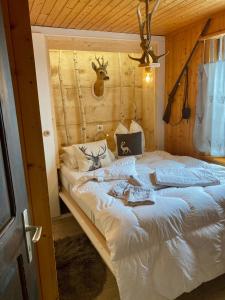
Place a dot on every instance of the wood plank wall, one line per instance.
(179, 139)
(117, 15)
(125, 93)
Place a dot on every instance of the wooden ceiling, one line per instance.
(119, 15)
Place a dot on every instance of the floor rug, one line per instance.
(80, 270)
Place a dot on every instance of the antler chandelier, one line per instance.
(148, 59)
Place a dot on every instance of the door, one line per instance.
(18, 275)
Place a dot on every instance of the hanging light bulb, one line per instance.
(148, 77)
(148, 74)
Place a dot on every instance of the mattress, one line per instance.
(163, 250)
(144, 165)
(70, 177)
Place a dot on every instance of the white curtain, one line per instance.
(209, 135)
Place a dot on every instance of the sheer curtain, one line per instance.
(209, 135)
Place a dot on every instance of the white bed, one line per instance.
(67, 181)
(155, 252)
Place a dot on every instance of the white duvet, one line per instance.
(160, 251)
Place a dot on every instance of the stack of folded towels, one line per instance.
(184, 177)
(132, 195)
(134, 192)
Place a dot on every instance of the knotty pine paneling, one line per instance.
(179, 139)
(126, 96)
(119, 16)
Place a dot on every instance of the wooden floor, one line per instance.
(214, 290)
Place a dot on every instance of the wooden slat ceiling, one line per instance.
(119, 15)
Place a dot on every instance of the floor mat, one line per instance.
(80, 270)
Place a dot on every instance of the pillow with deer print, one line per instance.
(134, 128)
(129, 144)
(92, 156)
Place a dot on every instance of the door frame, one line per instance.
(20, 49)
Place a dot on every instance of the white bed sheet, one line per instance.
(159, 252)
(68, 179)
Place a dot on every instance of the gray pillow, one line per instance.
(129, 144)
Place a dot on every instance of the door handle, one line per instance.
(37, 230)
(29, 230)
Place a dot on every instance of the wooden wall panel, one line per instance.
(125, 98)
(61, 42)
(119, 16)
(179, 139)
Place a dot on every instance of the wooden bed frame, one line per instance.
(95, 236)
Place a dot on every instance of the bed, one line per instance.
(155, 252)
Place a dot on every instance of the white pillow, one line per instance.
(92, 156)
(120, 169)
(69, 157)
(135, 127)
(120, 129)
(124, 167)
(111, 155)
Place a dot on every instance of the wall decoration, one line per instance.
(186, 111)
(102, 75)
(126, 97)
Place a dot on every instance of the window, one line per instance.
(209, 136)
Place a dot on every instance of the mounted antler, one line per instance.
(101, 72)
(98, 60)
(148, 55)
(155, 58)
(101, 64)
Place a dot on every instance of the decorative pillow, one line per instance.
(129, 144)
(92, 156)
(135, 127)
(69, 157)
(122, 168)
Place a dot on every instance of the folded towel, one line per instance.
(146, 181)
(132, 195)
(185, 177)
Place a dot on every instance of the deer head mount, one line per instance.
(148, 57)
(101, 72)
(95, 159)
